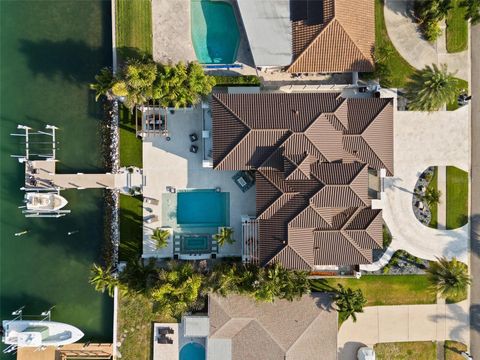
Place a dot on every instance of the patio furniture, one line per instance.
(171, 189)
(194, 149)
(151, 201)
(193, 137)
(170, 331)
(150, 219)
(163, 331)
(244, 180)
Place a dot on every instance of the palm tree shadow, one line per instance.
(69, 59)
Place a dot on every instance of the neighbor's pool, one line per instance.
(203, 208)
(215, 32)
(192, 351)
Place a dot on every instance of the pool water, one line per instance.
(203, 208)
(215, 32)
(192, 351)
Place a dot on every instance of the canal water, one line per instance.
(49, 52)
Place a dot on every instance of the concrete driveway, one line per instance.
(407, 39)
(378, 324)
(422, 140)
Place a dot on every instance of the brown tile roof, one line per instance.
(311, 171)
(340, 39)
(280, 330)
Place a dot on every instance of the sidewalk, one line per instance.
(407, 39)
(378, 324)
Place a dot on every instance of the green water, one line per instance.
(49, 52)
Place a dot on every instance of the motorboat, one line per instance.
(27, 333)
(50, 201)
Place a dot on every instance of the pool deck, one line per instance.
(172, 40)
(170, 163)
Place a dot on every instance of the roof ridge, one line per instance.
(354, 243)
(231, 111)
(311, 43)
(295, 251)
(287, 195)
(334, 20)
(303, 333)
(236, 146)
(376, 116)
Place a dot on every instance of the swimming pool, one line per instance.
(203, 208)
(215, 34)
(192, 351)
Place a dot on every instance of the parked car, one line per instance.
(365, 353)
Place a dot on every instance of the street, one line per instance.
(475, 191)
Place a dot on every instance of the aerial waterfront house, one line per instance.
(328, 36)
(318, 160)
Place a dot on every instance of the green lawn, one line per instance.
(130, 145)
(135, 323)
(457, 28)
(393, 70)
(131, 222)
(134, 27)
(434, 207)
(453, 349)
(418, 350)
(462, 87)
(457, 197)
(386, 289)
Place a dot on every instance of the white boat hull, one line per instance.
(44, 201)
(25, 333)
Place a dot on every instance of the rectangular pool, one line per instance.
(203, 208)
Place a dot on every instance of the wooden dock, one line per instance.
(72, 351)
(41, 174)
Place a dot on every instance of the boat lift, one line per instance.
(50, 131)
(44, 316)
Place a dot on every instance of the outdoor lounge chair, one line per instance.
(194, 149)
(150, 219)
(151, 201)
(193, 137)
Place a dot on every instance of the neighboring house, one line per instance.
(318, 159)
(311, 36)
(242, 329)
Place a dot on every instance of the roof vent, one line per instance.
(355, 152)
(295, 111)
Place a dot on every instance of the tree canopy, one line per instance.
(142, 80)
(431, 88)
(449, 278)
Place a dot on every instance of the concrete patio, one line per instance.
(170, 163)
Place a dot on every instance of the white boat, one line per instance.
(44, 201)
(26, 333)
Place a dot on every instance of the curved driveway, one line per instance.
(422, 140)
(409, 42)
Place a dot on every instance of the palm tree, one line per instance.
(432, 196)
(349, 302)
(225, 236)
(103, 279)
(431, 88)
(161, 237)
(103, 84)
(449, 278)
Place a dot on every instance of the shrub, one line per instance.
(250, 80)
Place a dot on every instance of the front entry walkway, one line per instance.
(405, 36)
(379, 324)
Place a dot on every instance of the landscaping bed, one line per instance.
(131, 222)
(130, 145)
(433, 185)
(462, 87)
(385, 289)
(453, 350)
(134, 28)
(402, 263)
(418, 350)
(244, 80)
(457, 28)
(457, 197)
